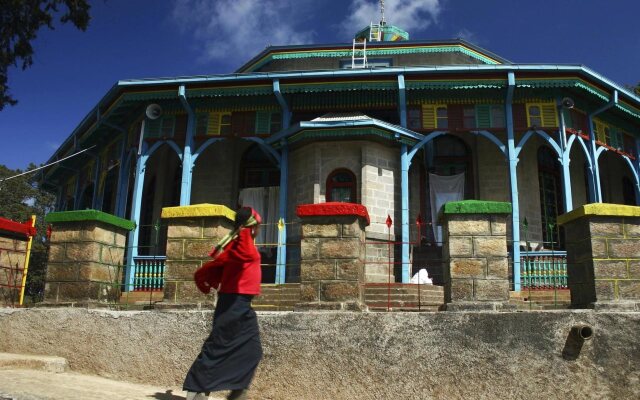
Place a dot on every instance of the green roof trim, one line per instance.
(342, 86)
(476, 207)
(154, 95)
(231, 91)
(89, 215)
(372, 51)
(467, 84)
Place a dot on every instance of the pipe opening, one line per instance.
(583, 331)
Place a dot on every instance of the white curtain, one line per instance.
(443, 189)
(265, 200)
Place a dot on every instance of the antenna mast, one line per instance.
(382, 21)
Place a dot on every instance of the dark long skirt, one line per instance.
(230, 355)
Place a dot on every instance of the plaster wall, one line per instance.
(578, 176)
(612, 169)
(328, 355)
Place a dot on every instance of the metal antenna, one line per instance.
(382, 21)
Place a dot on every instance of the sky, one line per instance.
(128, 39)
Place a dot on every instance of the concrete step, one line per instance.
(41, 363)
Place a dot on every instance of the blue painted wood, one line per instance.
(268, 150)
(402, 101)
(404, 183)
(493, 140)
(281, 257)
(595, 169)
(203, 147)
(122, 176)
(513, 162)
(187, 159)
(96, 190)
(76, 198)
(542, 134)
(423, 142)
(286, 113)
(637, 165)
(565, 160)
(135, 216)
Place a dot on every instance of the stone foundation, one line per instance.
(192, 232)
(476, 271)
(603, 256)
(86, 257)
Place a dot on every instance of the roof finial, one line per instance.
(382, 21)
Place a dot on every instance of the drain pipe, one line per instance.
(595, 190)
(582, 331)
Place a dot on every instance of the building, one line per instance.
(400, 126)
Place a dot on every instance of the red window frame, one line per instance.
(332, 185)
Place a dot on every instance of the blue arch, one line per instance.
(157, 145)
(424, 141)
(493, 139)
(542, 134)
(584, 147)
(633, 168)
(600, 150)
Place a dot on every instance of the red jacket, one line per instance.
(236, 270)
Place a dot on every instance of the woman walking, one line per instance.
(230, 355)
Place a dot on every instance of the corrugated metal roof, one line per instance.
(351, 116)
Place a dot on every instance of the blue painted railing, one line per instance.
(149, 273)
(543, 269)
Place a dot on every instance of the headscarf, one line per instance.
(254, 219)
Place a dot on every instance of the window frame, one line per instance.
(330, 185)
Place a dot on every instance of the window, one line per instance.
(341, 186)
(550, 197)
(434, 116)
(275, 123)
(497, 117)
(161, 128)
(600, 131)
(414, 118)
(202, 120)
(542, 114)
(469, 117)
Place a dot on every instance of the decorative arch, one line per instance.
(550, 189)
(542, 134)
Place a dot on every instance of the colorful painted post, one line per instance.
(281, 256)
(26, 260)
(187, 162)
(513, 163)
(566, 175)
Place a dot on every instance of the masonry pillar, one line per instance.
(86, 255)
(332, 261)
(476, 264)
(603, 256)
(192, 232)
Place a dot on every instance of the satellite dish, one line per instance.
(153, 111)
(568, 102)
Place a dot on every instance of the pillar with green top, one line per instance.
(476, 264)
(603, 256)
(86, 256)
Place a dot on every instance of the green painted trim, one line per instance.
(89, 215)
(600, 210)
(476, 207)
(199, 210)
(467, 84)
(343, 86)
(234, 91)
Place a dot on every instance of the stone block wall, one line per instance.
(476, 269)
(13, 253)
(603, 255)
(86, 257)
(332, 252)
(192, 232)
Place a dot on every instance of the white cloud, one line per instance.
(233, 31)
(405, 14)
(467, 35)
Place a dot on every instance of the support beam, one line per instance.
(637, 165)
(513, 180)
(187, 161)
(281, 259)
(123, 179)
(565, 160)
(404, 183)
(96, 198)
(136, 207)
(286, 113)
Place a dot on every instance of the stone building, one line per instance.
(400, 126)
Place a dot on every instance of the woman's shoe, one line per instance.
(238, 394)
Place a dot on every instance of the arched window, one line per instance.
(551, 206)
(341, 186)
(628, 192)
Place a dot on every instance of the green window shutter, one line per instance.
(167, 126)
(549, 117)
(428, 116)
(152, 128)
(263, 122)
(201, 124)
(483, 116)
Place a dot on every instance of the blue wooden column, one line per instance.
(281, 256)
(595, 187)
(123, 178)
(637, 166)
(513, 180)
(96, 185)
(404, 183)
(136, 206)
(565, 161)
(187, 159)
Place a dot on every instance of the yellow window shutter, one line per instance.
(428, 116)
(599, 133)
(549, 117)
(213, 127)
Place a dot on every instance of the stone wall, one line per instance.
(332, 265)
(192, 232)
(475, 253)
(341, 355)
(86, 257)
(603, 255)
(12, 258)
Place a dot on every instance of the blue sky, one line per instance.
(159, 38)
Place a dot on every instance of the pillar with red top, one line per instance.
(333, 257)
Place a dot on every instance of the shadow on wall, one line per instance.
(578, 334)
